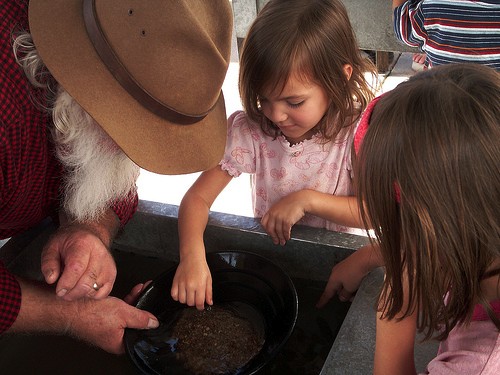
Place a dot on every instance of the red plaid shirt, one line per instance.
(30, 175)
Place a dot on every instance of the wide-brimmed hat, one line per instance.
(149, 72)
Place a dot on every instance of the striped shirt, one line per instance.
(451, 31)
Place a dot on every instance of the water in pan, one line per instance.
(219, 340)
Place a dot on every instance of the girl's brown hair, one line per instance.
(428, 180)
(311, 38)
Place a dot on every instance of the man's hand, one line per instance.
(103, 322)
(78, 260)
(98, 322)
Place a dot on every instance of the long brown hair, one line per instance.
(428, 180)
(311, 38)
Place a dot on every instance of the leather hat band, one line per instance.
(122, 75)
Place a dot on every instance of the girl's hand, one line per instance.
(192, 283)
(280, 218)
(346, 276)
(344, 281)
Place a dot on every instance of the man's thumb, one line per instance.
(143, 320)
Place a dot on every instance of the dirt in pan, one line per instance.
(216, 340)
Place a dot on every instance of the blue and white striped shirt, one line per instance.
(451, 31)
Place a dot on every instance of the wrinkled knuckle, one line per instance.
(85, 239)
(47, 253)
(81, 240)
(76, 267)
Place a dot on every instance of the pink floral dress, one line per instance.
(278, 168)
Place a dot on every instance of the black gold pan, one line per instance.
(251, 286)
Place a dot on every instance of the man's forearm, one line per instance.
(42, 311)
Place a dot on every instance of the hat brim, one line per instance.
(153, 143)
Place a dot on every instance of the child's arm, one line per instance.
(394, 345)
(192, 282)
(280, 218)
(346, 276)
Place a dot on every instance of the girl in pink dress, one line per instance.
(303, 87)
(428, 174)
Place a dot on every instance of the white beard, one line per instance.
(97, 171)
